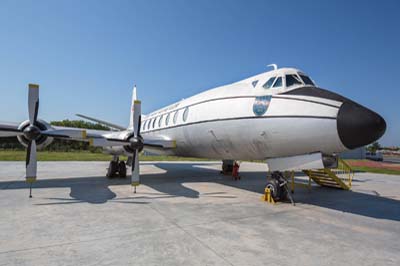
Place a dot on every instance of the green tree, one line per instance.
(79, 124)
(374, 147)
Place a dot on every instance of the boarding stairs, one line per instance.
(339, 177)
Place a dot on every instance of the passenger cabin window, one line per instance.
(167, 119)
(278, 82)
(159, 121)
(269, 83)
(306, 80)
(176, 116)
(292, 80)
(154, 123)
(185, 114)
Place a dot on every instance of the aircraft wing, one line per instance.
(159, 142)
(102, 122)
(99, 138)
(119, 139)
(10, 129)
(86, 133)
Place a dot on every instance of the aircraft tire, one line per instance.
(112, 169)
(275, 189)
(122, 169)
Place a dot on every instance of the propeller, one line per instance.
(136, 122)
(33, 132)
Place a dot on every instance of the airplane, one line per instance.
(280, 116)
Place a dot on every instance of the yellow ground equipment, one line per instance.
(340, 177)
(267, 196)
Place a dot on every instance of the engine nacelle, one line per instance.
(135, 144)
(115, 150)
(42, 141)
(127, 149)
(119, 150)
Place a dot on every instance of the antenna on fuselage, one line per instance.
(275, 66)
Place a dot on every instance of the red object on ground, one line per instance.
(235, 171)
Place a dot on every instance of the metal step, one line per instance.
(327, 178)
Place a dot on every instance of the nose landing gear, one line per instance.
(278, 186)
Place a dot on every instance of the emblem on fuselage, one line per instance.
(261, 104)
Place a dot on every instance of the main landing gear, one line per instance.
(116, 168)
(278, 186)
(227, 167)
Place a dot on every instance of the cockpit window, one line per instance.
(292, 80)
(269, 83)
(306, 80)
(254, 83)
(278, 82)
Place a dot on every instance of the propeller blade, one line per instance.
(134, 94)
(135, 179)
(31, 162)
(9, 130)
(33, 103)
(139, 124)
(134, 98)
(136, 117)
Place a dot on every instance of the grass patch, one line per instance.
(372, 167)
(10, 155)
(6, 155)
(375, 170)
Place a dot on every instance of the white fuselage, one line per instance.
(221, 123)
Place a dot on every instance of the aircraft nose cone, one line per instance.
(358, 126)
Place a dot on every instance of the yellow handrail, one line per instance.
(345, 169)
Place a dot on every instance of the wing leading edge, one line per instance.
(105, 123)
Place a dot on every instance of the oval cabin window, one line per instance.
(176, 117)
(185, 114)
(159, 121)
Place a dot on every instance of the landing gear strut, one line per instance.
(227, 167)
(116, 168)
(278, 186)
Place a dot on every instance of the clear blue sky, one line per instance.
(86, 55)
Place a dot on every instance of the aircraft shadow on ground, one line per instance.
(171, 183)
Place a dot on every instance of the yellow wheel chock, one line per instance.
(267, 196)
